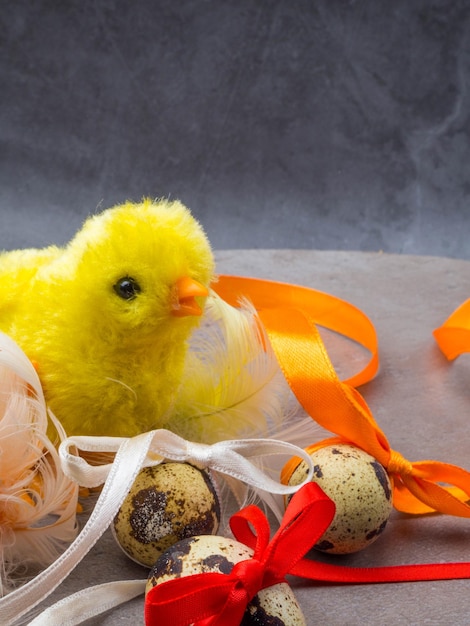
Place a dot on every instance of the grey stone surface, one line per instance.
(420, 400)
(305, 124)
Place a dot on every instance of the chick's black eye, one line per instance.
(127, 288)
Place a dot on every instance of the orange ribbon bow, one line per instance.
(290, 314)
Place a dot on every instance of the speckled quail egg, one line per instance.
(276, 605)
(361, 490)
(167, 502)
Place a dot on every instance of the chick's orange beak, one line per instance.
(184, 298)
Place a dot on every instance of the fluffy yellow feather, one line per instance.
(106, 318)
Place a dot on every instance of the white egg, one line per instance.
(361, 490)
(273, 605)
(167, 502)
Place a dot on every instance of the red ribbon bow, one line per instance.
(212, 599)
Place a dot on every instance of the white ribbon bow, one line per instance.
(230, 458)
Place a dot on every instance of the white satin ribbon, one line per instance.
(230, 458)
(89, 602)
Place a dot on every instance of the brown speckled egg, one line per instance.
(360, 488)
(273, 606)
(167, 502)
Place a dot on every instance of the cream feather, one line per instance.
(232, 383)
(37, 502)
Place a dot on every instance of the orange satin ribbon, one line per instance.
(324, 309)
(453, 337)
(289, 314)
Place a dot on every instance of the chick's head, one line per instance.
(127, 265)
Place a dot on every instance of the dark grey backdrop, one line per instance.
(293, 123)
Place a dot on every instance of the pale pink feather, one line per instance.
(38, 503)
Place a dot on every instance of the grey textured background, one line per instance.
(319, 124)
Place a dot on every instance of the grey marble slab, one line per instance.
(421, 401)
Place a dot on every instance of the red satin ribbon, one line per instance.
(212, 599)
(221, 599)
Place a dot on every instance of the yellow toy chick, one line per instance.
(106, 318)
(127, 335)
